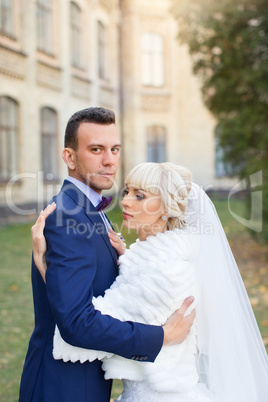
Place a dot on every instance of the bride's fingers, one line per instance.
(38, 227)
(112, 232)
(113, 243)
(48, 210)
(113, 236)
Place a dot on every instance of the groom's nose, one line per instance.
(108, 158)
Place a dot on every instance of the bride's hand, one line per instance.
(39, 241)
(117, 241)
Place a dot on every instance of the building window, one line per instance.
(49, 144)
(44, 25)
(6, 23)
(156, 144)
(101, 50)
(152, 60)
(8, 138)
(220, 169)
(76, 36)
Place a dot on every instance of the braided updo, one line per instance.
(170, 181)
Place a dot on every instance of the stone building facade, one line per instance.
(59, 56)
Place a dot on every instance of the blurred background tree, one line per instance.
(228, 41)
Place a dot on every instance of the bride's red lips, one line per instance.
(126, 215)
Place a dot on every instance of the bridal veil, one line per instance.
(232, 360)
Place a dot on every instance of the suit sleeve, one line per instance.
(69, 280)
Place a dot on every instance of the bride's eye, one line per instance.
(124, 192)
(140, 196)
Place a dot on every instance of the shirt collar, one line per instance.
(92, 195)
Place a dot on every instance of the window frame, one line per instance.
(9, 132)
(7, 28)
(44, 26)
(102, 48)
(49, 138)
(156, 143)
(75, 35)
(152, 59)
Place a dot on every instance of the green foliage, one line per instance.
(228, 41)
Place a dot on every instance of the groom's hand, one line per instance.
(178, 326)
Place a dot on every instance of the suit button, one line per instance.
(133, 357)
(145, 358)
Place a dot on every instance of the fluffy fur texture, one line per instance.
(156, 276)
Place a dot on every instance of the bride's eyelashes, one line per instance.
(139, 195)
(123, 192)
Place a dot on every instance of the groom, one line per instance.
(81, 264)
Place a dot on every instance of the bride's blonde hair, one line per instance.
(170, 181)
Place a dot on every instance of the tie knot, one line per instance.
(104, 203)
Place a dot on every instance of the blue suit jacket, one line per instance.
(81, 264)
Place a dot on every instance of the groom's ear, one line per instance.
(68, 155)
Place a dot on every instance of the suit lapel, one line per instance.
(109, 221)
(92, 214)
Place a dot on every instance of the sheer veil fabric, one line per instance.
(232, 359)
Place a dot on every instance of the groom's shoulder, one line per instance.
(70, 202)
(69, 196)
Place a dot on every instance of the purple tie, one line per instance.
(104, 203)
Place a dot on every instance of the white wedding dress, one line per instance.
(140, 391)
(156, 276)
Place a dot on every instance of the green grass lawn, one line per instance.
(16, 306)
(16, 295)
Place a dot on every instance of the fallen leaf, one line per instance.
(254, 301)
(263, 288)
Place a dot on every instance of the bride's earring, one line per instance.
(164, 217)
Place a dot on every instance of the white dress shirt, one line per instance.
(94, 197)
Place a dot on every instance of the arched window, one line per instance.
(152, 59)
(49, 131)
(76, 35)
(6, 23)
(44, 25)
(8, 138)
(156, 144)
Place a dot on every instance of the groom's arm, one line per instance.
(72, 268)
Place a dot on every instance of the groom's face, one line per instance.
(97, 157)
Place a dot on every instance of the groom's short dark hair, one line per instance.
(98, 115)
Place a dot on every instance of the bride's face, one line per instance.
(142, 211)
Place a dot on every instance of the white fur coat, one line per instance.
(156, 276)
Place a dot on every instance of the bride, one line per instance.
(181, 250)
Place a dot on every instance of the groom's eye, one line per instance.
(96, 150)
(116, 150)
